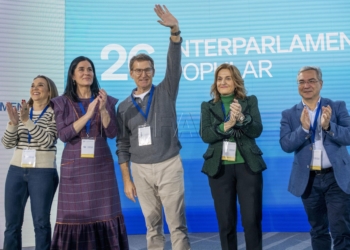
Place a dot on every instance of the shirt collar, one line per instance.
(318, 103)
(132, 94)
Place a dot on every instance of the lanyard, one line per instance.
(226, 118)
(88, 124)
(31, 117)
(148, 104)
(313, 128)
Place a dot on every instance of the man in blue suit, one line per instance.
(317, 130)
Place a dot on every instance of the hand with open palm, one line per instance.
(166, 18)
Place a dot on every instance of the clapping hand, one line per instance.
(12, 114)
(326, 117)
(231, 122)
(305, 119)
(24, 111)
(91, 108)
(236, 108)
(102, 97)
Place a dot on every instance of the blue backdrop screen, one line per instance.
(267, 40)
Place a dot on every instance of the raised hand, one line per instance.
(102, 96)
(12, 114)
(166, 18)
(326, 117)
(24, 111)
(305, 119)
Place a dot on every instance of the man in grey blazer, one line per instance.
(317, 130)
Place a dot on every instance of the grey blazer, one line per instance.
(245, 134)
(294, 139)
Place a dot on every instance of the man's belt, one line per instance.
(322, 171)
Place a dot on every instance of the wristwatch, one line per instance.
(241, 118)
(175, 33)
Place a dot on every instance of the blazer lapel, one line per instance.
(244, 104)
(216, 110)
(299, 110)
(325, 102)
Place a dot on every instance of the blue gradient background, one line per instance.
(90, 26)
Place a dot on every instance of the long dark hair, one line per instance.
(71, 88)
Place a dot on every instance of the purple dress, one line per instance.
(89, 213)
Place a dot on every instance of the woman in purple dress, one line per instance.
(89, 213)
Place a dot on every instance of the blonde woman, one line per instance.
(32, 173)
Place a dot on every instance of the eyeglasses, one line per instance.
(148, 71)
(310, 82)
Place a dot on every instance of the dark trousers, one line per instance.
(233, 180)
(327, 206)
(40, 185)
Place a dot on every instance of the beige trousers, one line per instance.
(157, 185)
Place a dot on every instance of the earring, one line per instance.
(74, 82)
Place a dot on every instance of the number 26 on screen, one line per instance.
(110, 74)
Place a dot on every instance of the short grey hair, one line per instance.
(315, 68)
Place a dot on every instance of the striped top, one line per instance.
(44, 138)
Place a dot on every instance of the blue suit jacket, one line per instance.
(294, 139)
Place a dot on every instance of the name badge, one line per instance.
(229, 151)
(144, 133)
(28, 158)
(87, 148)
(316, 159)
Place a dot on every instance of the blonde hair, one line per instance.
(239, 92)
(51, 86)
